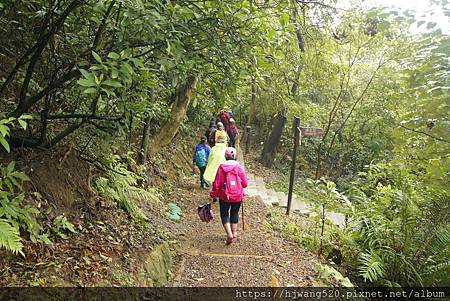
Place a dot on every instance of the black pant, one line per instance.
(202, 179)
(229, 212)
(232, 142)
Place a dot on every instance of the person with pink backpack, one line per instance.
(228, 187)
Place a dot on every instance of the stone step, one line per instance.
(251, 192)
(304, 212)
(281, 195)
(337, 218)
(265, 201)
(260, 182)
(282, 199)
(251, 183)
(299, 205)
(283, 202)
(262, 192)
(272, 197)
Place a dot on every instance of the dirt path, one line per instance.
(259, 257)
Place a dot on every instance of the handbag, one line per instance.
(205, 213)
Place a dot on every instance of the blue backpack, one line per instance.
(200, 158)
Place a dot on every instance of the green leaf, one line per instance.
(10, 237)
(137, 62)
(90, 91)
(5, 144)
(23, 124)
(113, 55)
(128, 67)
(97, 57)
(86, 74)
(4, 130)
(20, 175)
(86, 83)
(112, 83)
(114, 73)
(26, 116)
(10, 167)
(284, 19)
(45, 239)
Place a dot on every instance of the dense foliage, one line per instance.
(114, 75)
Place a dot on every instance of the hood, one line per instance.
(229, 165)
(219, 145)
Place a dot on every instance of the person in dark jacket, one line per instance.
(233, 133)
(212, 136)
(212, 123)
(200, 158)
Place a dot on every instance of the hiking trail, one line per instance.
(259, 256)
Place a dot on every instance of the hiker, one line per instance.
(221, 132)
(212, 123)
(212, 136)
(229, 187)
(200, 158)
(225, 117)
(216, 157)
(233, 133)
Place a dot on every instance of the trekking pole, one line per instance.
(243, 221)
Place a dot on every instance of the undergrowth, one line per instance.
(306, 231)
(14, 214)
(121, 186)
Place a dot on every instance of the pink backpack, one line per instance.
(233, 186)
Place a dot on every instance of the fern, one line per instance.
(10, 237)
(372, 266)
(332, 277)
(121, 189)
(13, 213)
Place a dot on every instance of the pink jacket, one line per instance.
(217, 189)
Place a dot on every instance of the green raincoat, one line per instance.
(216, 157)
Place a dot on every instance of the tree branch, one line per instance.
(41, 44)
(30, 51)
(30, 101)
(69, 130)
(426, 134)
(85, 116)
(102, 26)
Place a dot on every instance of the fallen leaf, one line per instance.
(109, 259)
(274, 281)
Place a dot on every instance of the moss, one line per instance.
(156, 268)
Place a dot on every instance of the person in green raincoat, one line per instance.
(216, 157)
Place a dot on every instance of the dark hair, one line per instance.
(203, 139)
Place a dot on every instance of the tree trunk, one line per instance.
(179, 108)
(270, 146)
(252, 112)
(142, 155)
